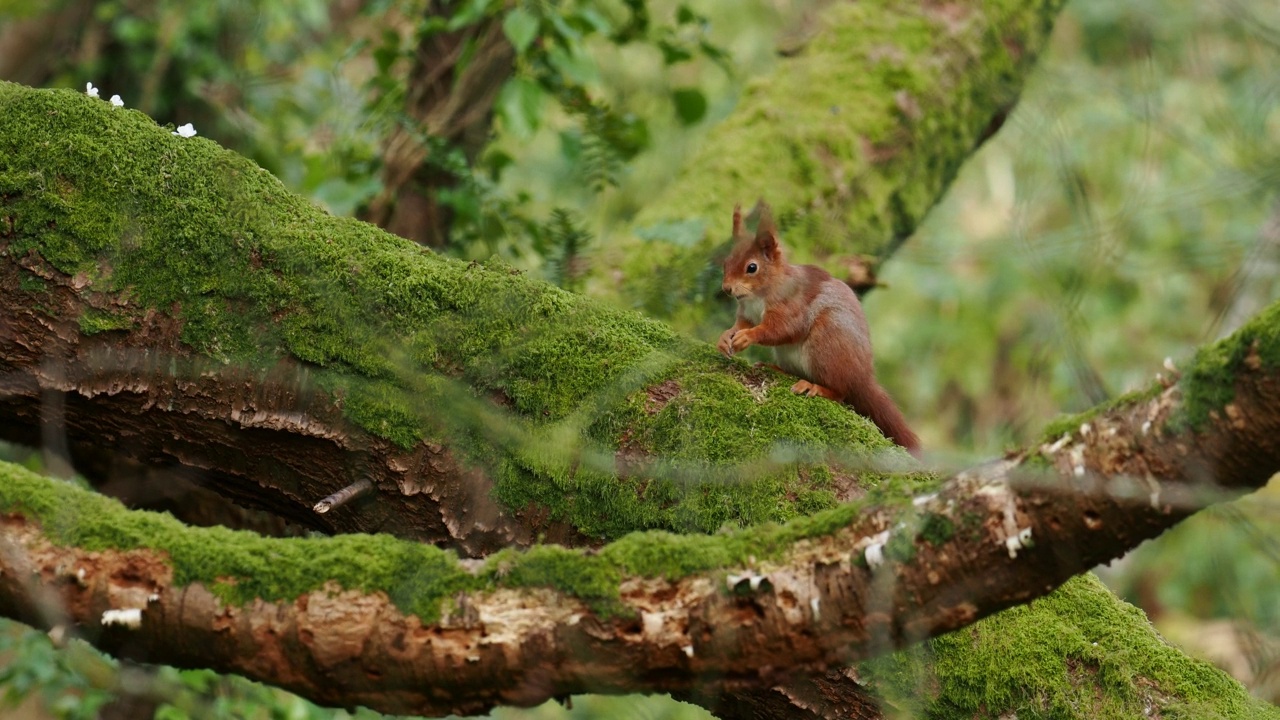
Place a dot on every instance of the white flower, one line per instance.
(185, 130)
(115, 100)
(90, 90)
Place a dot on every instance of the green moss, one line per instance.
(1068, 424)
(381, 408)
(93, 321)
(592, 579)
(31, 283)
(1209, 382)
(901, 547)
(1076, 653)
(240, 566)
(937, 529)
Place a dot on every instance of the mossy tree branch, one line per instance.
(852, 138)
(414, 630)
(178, 302)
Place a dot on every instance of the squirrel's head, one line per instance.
(755, 260)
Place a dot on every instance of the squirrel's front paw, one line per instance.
(741, 340)
(725, 346)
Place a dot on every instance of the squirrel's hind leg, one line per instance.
(808, 389)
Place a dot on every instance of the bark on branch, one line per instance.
(653, 612)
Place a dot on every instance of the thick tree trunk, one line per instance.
(851, 139)
(452, 84)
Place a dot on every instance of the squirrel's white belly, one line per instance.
(752, 309)
(793, 359)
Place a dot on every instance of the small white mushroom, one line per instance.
(923, 499)
(1066, 438)
(875, 555)
(128, 617)
(1016, 542)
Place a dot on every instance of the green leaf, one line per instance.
(672, 53)
(594, 20)
(520, 105)
(577, 67)
(568, 34)
(469, 14)
(520, 27)
(691, 105)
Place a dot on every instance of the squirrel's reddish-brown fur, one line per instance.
(813, 322)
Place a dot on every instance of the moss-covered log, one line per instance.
(184, 308)
(851, 139)
(410, 628)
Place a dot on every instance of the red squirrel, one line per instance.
(813, 322)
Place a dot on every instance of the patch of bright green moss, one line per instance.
(592, 579)
(1208, 383)
(727, 457)
(240, 566)
(1049, 659)
(94, 321)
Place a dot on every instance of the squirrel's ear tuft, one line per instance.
(766, 232)
(737, 220)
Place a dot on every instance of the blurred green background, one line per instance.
(1126, 213)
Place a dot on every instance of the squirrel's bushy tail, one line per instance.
(874, 402)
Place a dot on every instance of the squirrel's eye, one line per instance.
(751, 268)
